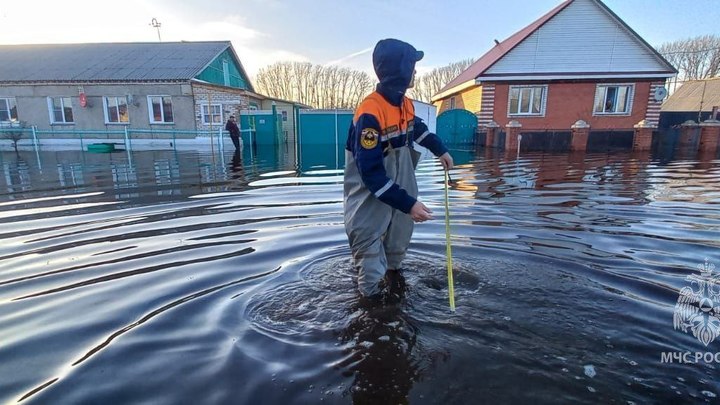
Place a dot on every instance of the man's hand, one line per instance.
(447, 161)
(420, 213)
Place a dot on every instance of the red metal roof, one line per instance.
(499, 50)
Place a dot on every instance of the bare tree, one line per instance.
(694, 58)
(13, 132)
(315, 85)
(336, 87)
(429, 84)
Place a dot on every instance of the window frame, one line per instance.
(51, 110)
(210, 115)
(163, 113)
(9, 109)
(629, 99)
(106, 110)
(533, 87)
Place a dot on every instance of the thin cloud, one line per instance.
(349, 57)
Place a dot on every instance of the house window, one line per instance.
(116, 110)
(60, 110)
(613, 99)
(452, 103)
(211, 114)
(161, 111)
(527, 100)
(8, 110)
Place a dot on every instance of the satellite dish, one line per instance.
(660, 93)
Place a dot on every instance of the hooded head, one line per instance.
(394, 63)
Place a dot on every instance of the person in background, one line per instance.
(234, 131)
(380, 191)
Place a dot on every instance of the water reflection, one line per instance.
(168, 174)
(191, 277)
(381, 359)
(381, 338)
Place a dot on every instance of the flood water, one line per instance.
(170, 277)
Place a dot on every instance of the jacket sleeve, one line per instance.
(427, 139)
(367, 150)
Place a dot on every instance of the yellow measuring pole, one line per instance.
(448, 252)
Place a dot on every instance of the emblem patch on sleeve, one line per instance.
(368, 138)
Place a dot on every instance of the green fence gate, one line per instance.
(265, 125)
(457, 127)
(321, 138)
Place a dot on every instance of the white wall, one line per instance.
(582, 38)
(428, 113)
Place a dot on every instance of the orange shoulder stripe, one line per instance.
(371, 105)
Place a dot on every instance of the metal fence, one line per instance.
(601, 141)
(124, 137)
(545, 141)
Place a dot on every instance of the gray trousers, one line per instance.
(379, 235)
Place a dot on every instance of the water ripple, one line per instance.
(186, 277)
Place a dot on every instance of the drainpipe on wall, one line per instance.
(275, 123)
(296, 117)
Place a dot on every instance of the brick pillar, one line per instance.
(491, 129)
(643, 136)
(709, 136)
(512, 130)
(579, 137)
(687, 134)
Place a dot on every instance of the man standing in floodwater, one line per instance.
(380, 190)
(232, 128)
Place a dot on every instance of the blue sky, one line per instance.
(326, 31)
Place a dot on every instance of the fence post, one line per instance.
(491, 129)
(579, 135)
(276, 133)
(35, 141)
(337, 158)
(512, 130)
(642, 139)
(37, 147)
(221, 142)
(519, 142)
(127, 139)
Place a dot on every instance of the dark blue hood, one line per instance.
(394, 63)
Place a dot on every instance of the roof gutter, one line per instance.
(453, 90)
(588, 76)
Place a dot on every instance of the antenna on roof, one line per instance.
(496, 42)
(156, 24)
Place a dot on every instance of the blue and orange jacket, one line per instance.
(385, 120)
(378, 127)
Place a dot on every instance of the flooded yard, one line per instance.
(191, 277)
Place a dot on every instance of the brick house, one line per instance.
(577, 66)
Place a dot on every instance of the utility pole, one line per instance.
(156, 24)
